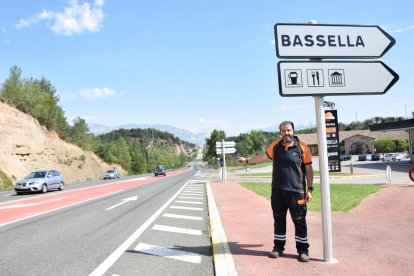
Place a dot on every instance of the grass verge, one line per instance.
(315, 173)
(344, 197)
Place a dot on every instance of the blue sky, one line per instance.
(197, 65)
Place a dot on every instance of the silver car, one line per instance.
(40, 181)
(111, 174)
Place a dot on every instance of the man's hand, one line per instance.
(308, 196)
(241, 160)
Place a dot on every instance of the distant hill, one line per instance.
(183, 134)
(276, 128)
(26, 146)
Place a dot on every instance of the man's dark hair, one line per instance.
(286, 123)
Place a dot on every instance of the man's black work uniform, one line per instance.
(289, 191)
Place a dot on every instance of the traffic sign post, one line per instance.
(224, 147)
(331, 41)
(301, 78)
(316, 78)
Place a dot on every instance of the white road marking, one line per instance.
(190, 197)
(125, 200)
(168, 253)
(49, 211)
(194, 194)
(177, 230)
(189, 202)
(186, 208)
(181, 216)
(111, 259)
(31, 204)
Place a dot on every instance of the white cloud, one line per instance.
(211, 122)
(96, 93)
(75, 19)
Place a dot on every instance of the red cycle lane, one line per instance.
(25, 208)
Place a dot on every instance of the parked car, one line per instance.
(160, 170)
(391, 157)
(111, 174)
(345, 157)
(375, 157)
(362, 157)
(40, 181)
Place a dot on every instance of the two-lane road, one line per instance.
(142, 226)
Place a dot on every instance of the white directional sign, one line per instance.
(334, 78)
(331, 41)
(226, 150)
(226, 144)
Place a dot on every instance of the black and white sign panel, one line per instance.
(334, 78)
(331, 41)
(332, 140)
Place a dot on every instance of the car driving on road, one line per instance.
(160, 170)
(40, 181)
(111, 174)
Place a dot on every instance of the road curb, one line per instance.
(223, 260)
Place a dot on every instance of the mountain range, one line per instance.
(185, 135)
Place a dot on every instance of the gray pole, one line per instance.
(224, 162)
(324, 177)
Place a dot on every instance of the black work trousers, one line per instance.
(282, 201)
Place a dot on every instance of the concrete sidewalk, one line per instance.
(375, 238)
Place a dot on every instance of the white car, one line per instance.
(391, 157)
(40, 181)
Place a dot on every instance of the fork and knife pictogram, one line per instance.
(315, 74)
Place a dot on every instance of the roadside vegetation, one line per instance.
(6, 183)
(136, 150)
(344, 197)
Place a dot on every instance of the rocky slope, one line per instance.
(25, 145)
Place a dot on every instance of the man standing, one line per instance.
(292, 172)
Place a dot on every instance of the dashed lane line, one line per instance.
(179, 230)
(189, 202)
(182, 216)
(186, 208)
(190, 197)
(168, 253)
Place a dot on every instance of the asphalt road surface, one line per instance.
(138, 226)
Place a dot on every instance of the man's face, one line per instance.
(286, 131)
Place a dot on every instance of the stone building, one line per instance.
(355, 141)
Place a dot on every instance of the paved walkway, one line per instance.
(375, 238)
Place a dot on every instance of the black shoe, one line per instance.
(276, 253)
(303, 257)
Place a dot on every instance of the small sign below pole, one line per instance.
(388, 173)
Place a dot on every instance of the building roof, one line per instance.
(311, 139)
(406, 124)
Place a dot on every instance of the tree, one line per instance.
(384, 145)
(79, 134)
(215, 136)
(253, 143)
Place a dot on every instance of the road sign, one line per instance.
(331, 41)
(334, 78)
(226, 144)
(411, 174)
(226, 150)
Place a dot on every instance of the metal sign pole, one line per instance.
(324, 179)
(324, 176)
(224, 162)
